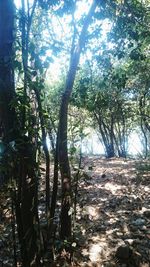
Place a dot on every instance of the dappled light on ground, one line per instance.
(114, 211)
(113, 216)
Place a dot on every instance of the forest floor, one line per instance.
(113, 216)
(113, 213)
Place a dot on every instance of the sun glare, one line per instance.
(62, 31)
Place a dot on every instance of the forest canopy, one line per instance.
(73, 75)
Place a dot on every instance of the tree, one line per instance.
(106, 98)
(22, 166)
(7, 88)
(62, 128)
(111, 86)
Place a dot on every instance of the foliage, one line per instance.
(58, 46)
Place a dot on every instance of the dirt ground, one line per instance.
(113, 213)
(112, 227)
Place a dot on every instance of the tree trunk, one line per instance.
(107, 136)
(46, 152)
(55, 184)
(7, 89)
(26, 203)
(62, 130)
(26, 21)
(143, 122)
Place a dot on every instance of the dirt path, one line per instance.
(114, 211)
(113, 216)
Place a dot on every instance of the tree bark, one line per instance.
(7, 88)
(62, 129)
(143, 122)
(46, 152)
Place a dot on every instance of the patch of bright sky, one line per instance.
(61, 30)
(56, 68)
(81, 6)
(18, 3)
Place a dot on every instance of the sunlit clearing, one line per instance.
(135, 145)
(92, 145)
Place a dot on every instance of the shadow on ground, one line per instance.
(113, 211)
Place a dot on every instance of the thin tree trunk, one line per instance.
(55, 184)
(26, 197)
(145, 139)
(26, 20)
(46, 152)
(62, 130)
(13, 220)
(144, 125)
